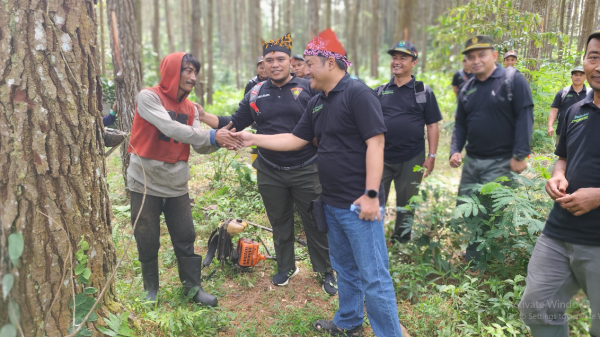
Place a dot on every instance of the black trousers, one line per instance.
(178, 215)
(280, 190)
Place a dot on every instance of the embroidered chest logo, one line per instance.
(296, 92)
(570, 95)
(263, 95)
(387, 92)
(317, 108)
(580, 118)
(471, 91)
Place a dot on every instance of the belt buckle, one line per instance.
(284, 168)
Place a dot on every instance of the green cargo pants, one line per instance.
(406, 183)
(279, 191)
(477, 172)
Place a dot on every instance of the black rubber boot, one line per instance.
(150, 276)
(190, 273)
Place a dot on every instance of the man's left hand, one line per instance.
(225, 138)
(518, 166)
(581, 201)
(428, 165)
(369, 208)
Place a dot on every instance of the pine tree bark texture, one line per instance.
(52, 157)
(197, 47)
(133, 78)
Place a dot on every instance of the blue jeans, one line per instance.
(359, 256)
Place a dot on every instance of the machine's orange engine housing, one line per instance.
(248, 251)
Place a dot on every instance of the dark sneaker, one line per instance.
(283, 277)
(329, 283)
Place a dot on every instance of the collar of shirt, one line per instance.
(270, 84)
(340, 86)
(589, 100)
(498, 72)
(409, 84)
(573, 90)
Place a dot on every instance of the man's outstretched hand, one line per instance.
(245, 137)
(226, 137)
(201, 111)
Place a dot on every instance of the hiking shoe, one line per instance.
(283, 277)
(329, 283)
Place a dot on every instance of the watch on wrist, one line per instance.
(519, 157)
(371, 193)
(432, 155)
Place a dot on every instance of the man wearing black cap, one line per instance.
(298, 66)
(565, 259)
(510, 59)
(494, 117)
(408, 106)
(284, 178)
(261, 75)
(461, 77)
(566, 97)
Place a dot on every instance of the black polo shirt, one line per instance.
(579, 143)
(342, 122)
(493, 126)
(458, 80)
(280, 110)
(405, 120)
(571, 98)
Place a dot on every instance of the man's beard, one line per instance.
(281, 81)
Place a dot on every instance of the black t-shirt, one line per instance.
(405, 120)
(280, 110)
(342, 122)
(493, 126)
(580, 143)
(458, 80)
(571, 98)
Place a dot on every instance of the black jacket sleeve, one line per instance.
(523, 108)
(242, 118)
(459, 134)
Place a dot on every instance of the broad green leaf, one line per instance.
(79, 269)
(90, 290)
(15, 247)
(85, 245)
(86, 273)
(14, 312)
(106, 331)
(8, 330)
(7, 283)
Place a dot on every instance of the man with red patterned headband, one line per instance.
(347, 121)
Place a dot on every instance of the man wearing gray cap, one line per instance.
(298, 65)
(510, 59)
(261, 75)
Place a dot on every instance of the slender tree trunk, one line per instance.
(574, 22)
(273, 19)
(156, 38)
(288, 17)
(138, 20)
(131, 67)
(210, 23)
(328, 14)
(313, 18)
(533, 52)
(184, 15)
(52, 160)
(257, 28)
(375, 38)
(354, 38)
(169, 27)
(102, 50)
(561, 28)
(399, 33)
(587, 22)
(197, 47)
(407, 19)
(237, 24)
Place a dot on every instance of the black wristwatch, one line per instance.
(519, 157)
(371, 193)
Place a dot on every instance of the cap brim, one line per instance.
(400, 50)
(577, 71)
(478, 46)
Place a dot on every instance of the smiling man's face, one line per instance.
(591, 64)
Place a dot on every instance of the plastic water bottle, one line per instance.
(355, 208)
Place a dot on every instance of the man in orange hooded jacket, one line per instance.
(164, 126)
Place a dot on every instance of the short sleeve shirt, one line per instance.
(571, 98)
(342, 121)
(405, 120)
(579, 143)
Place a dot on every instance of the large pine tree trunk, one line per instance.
(169, 23)
(561, 27)
(156, 38)
(198, 48)
(131, 67)
(587, 22)
(313, 18)
(52, 158)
